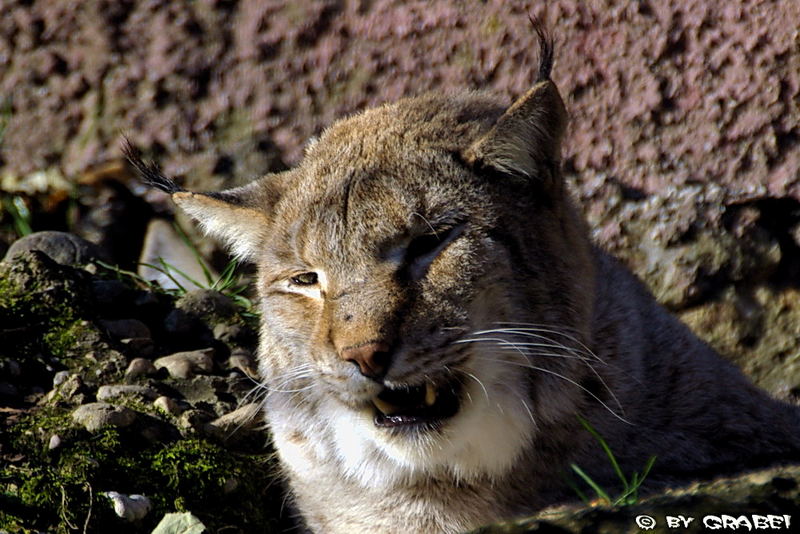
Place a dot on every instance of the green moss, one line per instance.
(54, 490)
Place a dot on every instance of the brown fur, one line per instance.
(574, 333)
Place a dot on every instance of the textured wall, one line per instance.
(659, 92)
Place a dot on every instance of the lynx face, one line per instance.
(418, 261)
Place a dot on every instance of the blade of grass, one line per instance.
(196, 253)
(166, 273)
(581, 495)
(20, 215)
(606, 449)
(586, 478)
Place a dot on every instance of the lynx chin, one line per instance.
(435, 319)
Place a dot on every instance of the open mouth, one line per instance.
(425, 404)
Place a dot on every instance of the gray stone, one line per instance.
(62, 247)
(114, 391)
(96, 415)
(55, 442)
(187, 364)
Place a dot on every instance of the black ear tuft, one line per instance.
(546, 48)
(150, 173)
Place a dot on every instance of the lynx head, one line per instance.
(423, 281)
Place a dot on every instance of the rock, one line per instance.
(114, 391)
(195, 420)
(61, 247)
(233, 334)
(55, 442)
(139, 367)
(138, 345)
(96, 415)
(243, 360)
(686, 244)
(206, 304)
(70, 389)
(180, 523)
(185, 329)
(187, 364)
(129, 507)
(126, 328)
(168, 405)
(111, 293)
(245, 417)
(60, 377)
(759, 331)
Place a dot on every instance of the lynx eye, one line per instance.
(305, 279)
(423, 245)
(423, 249)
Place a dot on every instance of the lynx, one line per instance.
(435, 322)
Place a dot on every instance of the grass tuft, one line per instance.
(630, 492)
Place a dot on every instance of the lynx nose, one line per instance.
(372, 358)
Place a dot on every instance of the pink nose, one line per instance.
(372, 358)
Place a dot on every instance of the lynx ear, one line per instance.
(237, 217)
(233, 216)
(527, 138)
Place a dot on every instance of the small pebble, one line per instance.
(140, 367)
(130, 507)
(55, 442)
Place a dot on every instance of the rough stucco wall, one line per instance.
(659, 92)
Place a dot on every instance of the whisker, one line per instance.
(567, 379)
(486, 393)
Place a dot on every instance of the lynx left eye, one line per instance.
(305, 279)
